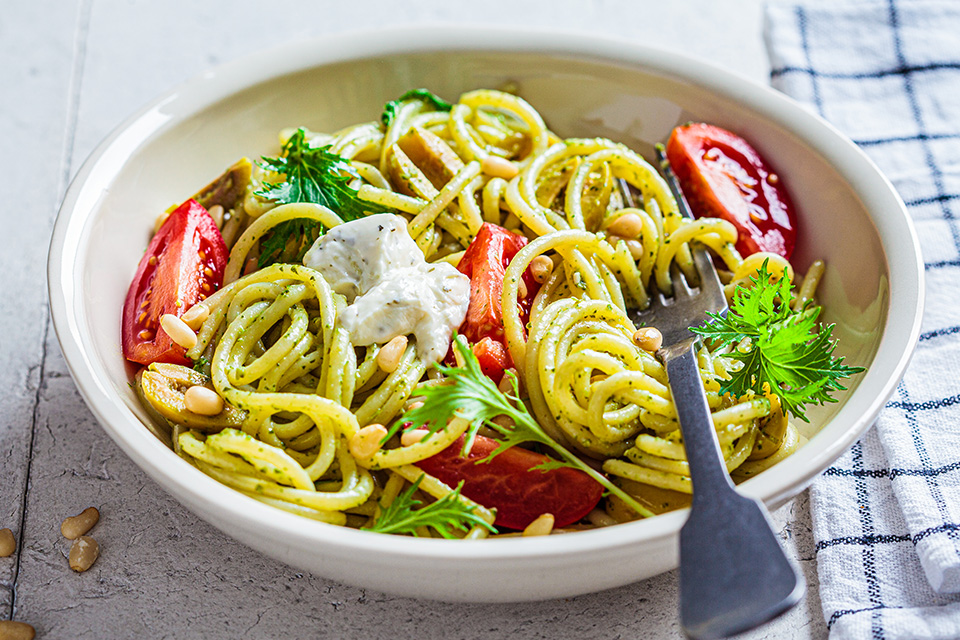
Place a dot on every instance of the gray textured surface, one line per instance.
(71, 71)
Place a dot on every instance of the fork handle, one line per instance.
(734, 575)
(708, 471)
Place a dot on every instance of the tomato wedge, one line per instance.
(485, 263)
(722, 176)
(508, 485)
(183, 265)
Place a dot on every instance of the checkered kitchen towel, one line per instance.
(887, 514)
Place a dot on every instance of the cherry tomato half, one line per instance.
(722, 176)
(485, 263)
(493, 358)
(183, 264)
(508, 485)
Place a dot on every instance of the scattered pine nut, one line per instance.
(415, 405)
(635, 248)
(541, 267)
(648, 338)
(76, 526)
(160, 220)
(366, 442)
(506, 386)
(628, 225)
(413, 437)
(83, 553)
(499, 167)
(388, 358)
(8, 544)
(542, 526)
(196, 315)
(521, 289)
(178, 330)
(216, 212)
(203, 401)
(13, 630)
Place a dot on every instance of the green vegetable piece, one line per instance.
(228, 189)
(390, 109)
(472, 396)
(445, 516)
(311, 174)
(779, 346)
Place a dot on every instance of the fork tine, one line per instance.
(710, 286)
(681, 290)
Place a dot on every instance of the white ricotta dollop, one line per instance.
(391, 290)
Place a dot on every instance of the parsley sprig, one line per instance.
(779, 346)
(445, 516)
(310, 174)
(390, 109)
(472, 396)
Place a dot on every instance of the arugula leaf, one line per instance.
(781, 347)
(446, 515)
(311, 174)
(472, 396)
(390, 109)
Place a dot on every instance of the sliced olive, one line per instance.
(407, 177)
(163, 385)
(229, 189)
(773, 428)
(434, 157)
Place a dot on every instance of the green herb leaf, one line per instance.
(445, 516)
(202, 365)
(311, 174)
(390, 109)
(472, 396)
(785, 348)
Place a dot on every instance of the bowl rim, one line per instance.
(218, 503)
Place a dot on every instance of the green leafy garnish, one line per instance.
(781, 347)
(445, 516)
(390, 109)
(472, 396)
(311, 174)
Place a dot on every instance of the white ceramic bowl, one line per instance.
(849, 215)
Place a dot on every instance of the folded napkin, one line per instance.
(887, 514)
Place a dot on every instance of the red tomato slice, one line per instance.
(508, 485)
(722, 176)
(492, 357)
(485, 263)
(183, 264)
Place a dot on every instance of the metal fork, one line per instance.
(734, 575)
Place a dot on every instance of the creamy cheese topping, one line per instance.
(391, 290)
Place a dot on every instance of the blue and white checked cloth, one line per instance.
(887, 514)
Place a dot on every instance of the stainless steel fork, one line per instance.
(734, 575)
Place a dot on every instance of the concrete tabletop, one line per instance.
(70, 71)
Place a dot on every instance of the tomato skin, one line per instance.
(485, 263)
(722, 176)
(171, 278)
(507, 484)
(492, 357)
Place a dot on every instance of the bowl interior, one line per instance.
(849, 217)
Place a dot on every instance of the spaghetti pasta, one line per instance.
(274, 347)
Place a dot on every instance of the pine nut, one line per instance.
(196, 315)
(13, 630)
(414, 405)
(413, 437)
(635, 248)
(388, 358)
(499, 167)
(178, 330)
(504, 421)
(542, 526)
(506, 386)
(628, 225)
(75, 526)
(83, 553)
(648, 338)
(8, 544)
(366, 442)
(541, 267)
(216, 212)
(160, 220)
(203, 401)
(521, 289)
